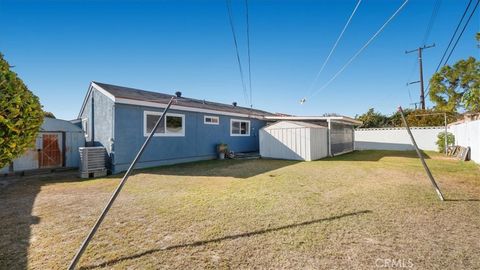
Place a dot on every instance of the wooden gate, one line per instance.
(50, 155)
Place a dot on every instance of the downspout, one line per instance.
(92, 121)
(112, 141)
(353, 141)
(329, 139)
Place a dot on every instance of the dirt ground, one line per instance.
(364, 210)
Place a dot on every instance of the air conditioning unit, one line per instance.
(92, 161)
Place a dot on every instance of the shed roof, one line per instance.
(121, 92)
(292, 124)
(340, 119)
(52, 124)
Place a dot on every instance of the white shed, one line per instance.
(294, 140)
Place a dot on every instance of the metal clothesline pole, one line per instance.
(446, 126)
(435, 186)
(95, 227)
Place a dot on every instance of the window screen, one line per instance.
(240, 128)
(151, 121)
(171, 125)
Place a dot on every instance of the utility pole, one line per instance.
(422, 90)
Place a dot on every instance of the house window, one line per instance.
(211, 120)
(239, 127)
(85, 127)
(172, 125)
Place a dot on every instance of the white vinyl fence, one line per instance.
(468, 135)
(396, 138)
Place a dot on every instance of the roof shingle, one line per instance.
(142, 95)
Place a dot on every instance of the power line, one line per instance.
(334, 46)
(428, 30)
(453, 37)
(461, 33)
(229, 11)
(420, 62)
(248, 48)
(361, 49)
(433, 17)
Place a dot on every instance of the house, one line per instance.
(56, 146)
(120, 119)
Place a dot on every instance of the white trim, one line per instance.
(212, 117)
(166, 134)
(240, 120)
(85, 101)
(182, 108)
(103, 91)
(90, 89)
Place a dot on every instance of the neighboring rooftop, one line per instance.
(121, 92)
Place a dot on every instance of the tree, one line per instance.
(395, 120)
(20, 117)
(457, 86)
(441, 141)
(372, 119)
(429, 118)
(415, 118)
(48, 114)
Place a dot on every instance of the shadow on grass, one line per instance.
(16, 217)
(462, 200)
(219, 168)
(375, 155)
(225, 238)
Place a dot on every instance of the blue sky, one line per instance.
(58, 47)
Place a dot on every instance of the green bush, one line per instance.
(21, 115)
(441, 141)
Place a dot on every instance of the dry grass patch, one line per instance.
(344, 212)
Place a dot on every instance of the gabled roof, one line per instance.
(121, 94)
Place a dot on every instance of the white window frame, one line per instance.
(85, 123)
(240, 120)
(166, 134)
(212, 117)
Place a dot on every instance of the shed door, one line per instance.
(50, 154)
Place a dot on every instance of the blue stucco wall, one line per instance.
(103, 121)
(199, 142)
(99, 110)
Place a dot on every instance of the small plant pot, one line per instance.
(221, 155)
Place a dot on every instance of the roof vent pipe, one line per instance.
(234, 104)
(178, 94)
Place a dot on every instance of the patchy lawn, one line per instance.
(361, 210)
